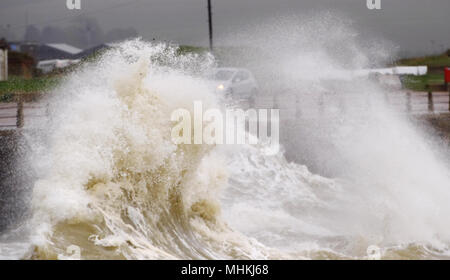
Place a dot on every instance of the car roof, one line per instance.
(231, 69)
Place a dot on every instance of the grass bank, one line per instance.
(435, 75)
(19, 85)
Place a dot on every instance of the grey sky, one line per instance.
(417, 26)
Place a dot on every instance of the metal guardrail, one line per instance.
(19, 100)
(433, 101)
(431, 88)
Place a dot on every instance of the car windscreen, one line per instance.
(223, 75)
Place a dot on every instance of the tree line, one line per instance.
(83, 32)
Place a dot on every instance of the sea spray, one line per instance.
(391, 180)
(113, 183)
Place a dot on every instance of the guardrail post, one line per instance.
(386, 97)
(19, 101)
(321, 102)
(298, 111)
(430, 101)
(342, 104)
(275, 102)
(449, 98)
(408, 101)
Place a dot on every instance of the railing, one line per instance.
(21, 99)
(19, 115)
(432, 88)
(435, 100)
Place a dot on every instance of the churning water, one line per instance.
(109, 180)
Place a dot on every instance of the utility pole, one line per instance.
(210, 26)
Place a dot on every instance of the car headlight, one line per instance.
(220, 87)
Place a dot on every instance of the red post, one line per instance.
(447, 76)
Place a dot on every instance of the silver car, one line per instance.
(236, 83)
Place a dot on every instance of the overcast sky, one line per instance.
(416, 26)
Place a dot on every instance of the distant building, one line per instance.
(24, 47)
(3, 60)
(56, 51)
(93, 50)
(14, 46)
(46, 51)
(47, 66)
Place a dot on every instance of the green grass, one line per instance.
(19, 85)
(184, 49)
(419, 83)
(16, 85)
(441, 60)
(435, 75)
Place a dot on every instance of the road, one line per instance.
(8, 114)
(294, 107)
(291, 106)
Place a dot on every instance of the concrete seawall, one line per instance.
(14, 179)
